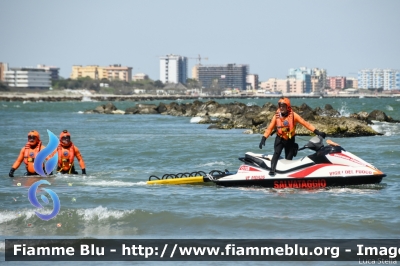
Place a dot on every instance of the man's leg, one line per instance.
(289, 148)
(278, 147)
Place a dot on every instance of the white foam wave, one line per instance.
(388, 129)
(344, 110)
(389, 108)
(87, 99)
(212, 164)
(195, 119)
(81, 112)
(7, 216)
(102, 213)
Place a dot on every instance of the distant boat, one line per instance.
(361, 96)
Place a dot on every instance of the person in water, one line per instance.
(67, 151)
(28, 154)
(284, 121)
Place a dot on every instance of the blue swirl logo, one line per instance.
(51, 163)
(32, 198)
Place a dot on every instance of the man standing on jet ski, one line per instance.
(285, 121)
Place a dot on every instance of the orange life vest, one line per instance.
(66, 157)
(30, 155)
(285, 125)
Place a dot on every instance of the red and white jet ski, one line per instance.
(329, 166)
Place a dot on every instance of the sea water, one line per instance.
(122, 151)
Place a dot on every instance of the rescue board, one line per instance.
(179, 181)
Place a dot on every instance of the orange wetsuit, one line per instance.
(28, 155)
(286, 125)
(66, 159)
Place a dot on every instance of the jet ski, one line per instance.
(329, 166)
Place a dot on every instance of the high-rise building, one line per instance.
(222, 76)
(27, 77)
(386, 79)
(173, 69)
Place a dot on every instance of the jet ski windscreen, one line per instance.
(315, 143)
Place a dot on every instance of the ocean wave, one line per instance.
(8, 216)
(388, 129)
(212, 164)
(102, 213)
(195, 120)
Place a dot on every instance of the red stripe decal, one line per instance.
(308, 171)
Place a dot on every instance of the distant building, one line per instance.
(173, 69)
(223, 76)
(386, 79)
(140, 76)
(54, 71)
(252, 81)
(3, 68)
(318, 79)
(93, 72)
(300, 80)
(297, 86)
(276, 85)
(351, 82)
(195, 72)
(337, 82)
(111, 72)
(28, 78)
(118, 72)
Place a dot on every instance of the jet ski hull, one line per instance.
(305, 183)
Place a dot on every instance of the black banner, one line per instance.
(365, 251)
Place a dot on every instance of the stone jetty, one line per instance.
(255, 118)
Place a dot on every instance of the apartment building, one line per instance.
(3, 68)
(173, 69)
(28, 78)
(140, 76)
(351, 82)
(337, 82)
(276, 85)
(54, 71)
(300, 80)
(387, 79)
(318, 80)
(223, 76)
(252, 81)
(118, 72)
(111, 72)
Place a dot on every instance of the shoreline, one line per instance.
(74, 96)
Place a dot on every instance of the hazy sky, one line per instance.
(271, 36)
